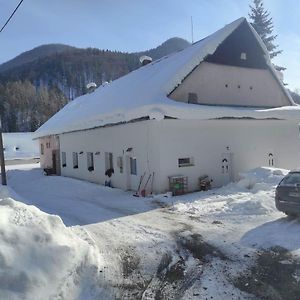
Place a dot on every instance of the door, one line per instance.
(226, 168)
(54, 162)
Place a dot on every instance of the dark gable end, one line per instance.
(242, 40)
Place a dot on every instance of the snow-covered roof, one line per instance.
(144, 93)
(20, 145)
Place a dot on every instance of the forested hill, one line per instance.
(37, 83)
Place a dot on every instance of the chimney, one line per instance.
(145, 60)
(91, 87)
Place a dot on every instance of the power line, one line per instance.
(11, 16)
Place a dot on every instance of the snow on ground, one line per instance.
(20, 145)
(227, 243)
(40, 257)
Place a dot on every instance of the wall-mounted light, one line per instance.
(129, 149)
(81, 152)
(97, 153)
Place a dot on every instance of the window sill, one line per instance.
(186, 165)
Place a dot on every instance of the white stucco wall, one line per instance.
(246, 142)
(46, 157)
(227, 85)
(157, 145)
(116, 139)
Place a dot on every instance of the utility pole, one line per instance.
(192, 29)
(2, 161)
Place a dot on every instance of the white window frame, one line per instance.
(109, 160)
(90, 161)
(75, 160)
(63, 159)
(133, 166)
(189, 162)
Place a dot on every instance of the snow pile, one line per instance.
(261, 178)
(252, 195)
(42, 259)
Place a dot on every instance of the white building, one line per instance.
(216, 108)
(19, 147)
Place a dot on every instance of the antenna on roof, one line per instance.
(192, 29)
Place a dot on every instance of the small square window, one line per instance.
(193, 98)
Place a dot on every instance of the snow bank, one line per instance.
(253, 194)
(40, 258)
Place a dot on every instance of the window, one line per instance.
(90, 161)
(48, 145)
(133, 166)
(75, 160)
(192, 98)
(42, 149)
(243, 56)
(63, 159)
(185, 162)
(120, 163)
(109, 163)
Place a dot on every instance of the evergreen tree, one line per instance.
(263, 24)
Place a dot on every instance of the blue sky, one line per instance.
(135, 25)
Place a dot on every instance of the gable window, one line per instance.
(133, 166)
(42, 149)
(63, 159)
(75, 160)
(185, 162)
(90, 161)
(109, 162)
(243, 56)
(192, 98)
(120, 163)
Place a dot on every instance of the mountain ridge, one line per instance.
(37, 83)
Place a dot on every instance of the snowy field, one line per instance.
(66, 239)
